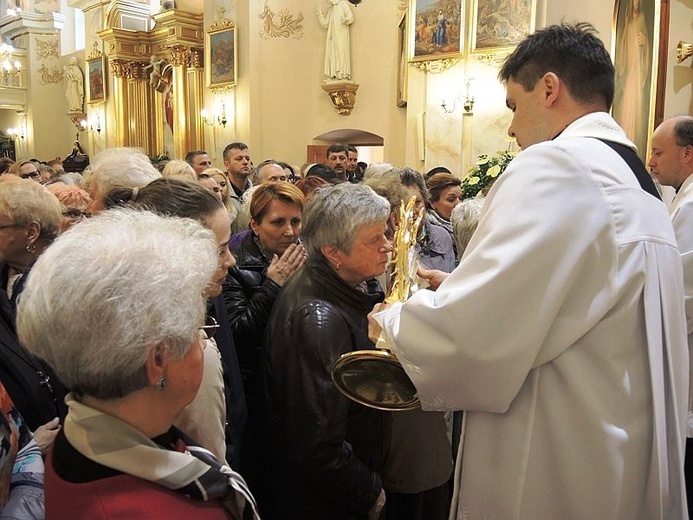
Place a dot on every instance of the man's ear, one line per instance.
(687, 155)
(551, 84)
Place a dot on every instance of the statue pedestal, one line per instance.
(342, 94)
(77, 118)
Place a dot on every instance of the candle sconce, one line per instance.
(220, 118)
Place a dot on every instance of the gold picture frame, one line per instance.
(496, 29)
(96, 76)
(436, 30)
(221, 63)
(639, 35)
(403, 67)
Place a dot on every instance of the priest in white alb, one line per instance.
(562, 332)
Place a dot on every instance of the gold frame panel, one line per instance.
(419, 8)
(221, 33)
(655, 14)
(499, 44)
(403, 67)
(92, 62)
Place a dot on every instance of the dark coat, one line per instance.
(236, 408)
(249, 296)
(31, 383)
(327, 450)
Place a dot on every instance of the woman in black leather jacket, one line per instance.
(268, 255)
(327, 451)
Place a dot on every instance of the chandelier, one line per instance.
(9, 67)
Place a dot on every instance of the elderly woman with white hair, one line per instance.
(118, 167)
(465, 219)
(217, 416)
(133, 361)
(326, 450)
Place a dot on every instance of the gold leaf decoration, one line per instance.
(280, 25)
(49, 75)
(47, 47)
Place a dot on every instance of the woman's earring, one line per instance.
(161, 383)
(30, 248)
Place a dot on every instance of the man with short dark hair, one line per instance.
(671, 162)
(562, 332)
(238, 166)
(353, 173)
(199, 160)
(337, 160)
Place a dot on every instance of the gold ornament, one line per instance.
(404, 259)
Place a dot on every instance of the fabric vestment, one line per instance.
(562, 335)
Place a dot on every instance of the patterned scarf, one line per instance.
(436, 219)
(192, 471)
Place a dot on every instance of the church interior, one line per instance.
(156, 75)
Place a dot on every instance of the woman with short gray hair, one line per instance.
(133, 361)
(326, 451)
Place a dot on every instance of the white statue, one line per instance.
(74, 91)
(337, 47)
(156, 76)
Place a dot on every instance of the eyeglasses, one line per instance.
(75, 214)
(30, 175)
(8, 226)
(210, 327)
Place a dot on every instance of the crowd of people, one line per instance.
(169, 330)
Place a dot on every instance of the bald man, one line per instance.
(671, 162)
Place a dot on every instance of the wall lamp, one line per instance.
(16, 133)
(220, 118)
(95, 126)
(448, 107)
(467, 104)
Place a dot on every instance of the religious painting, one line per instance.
(435, 29)
(403, 62)
(636, 41)
(220, 58)
(499, 25)
(97, 80)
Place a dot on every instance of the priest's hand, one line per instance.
(374, 329)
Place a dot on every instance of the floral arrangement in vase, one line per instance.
(485, 172)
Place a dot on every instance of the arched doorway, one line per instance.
(370, 146)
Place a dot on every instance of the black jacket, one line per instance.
(249, 296)
(327, 450)
(236, 408)
(34, 388)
